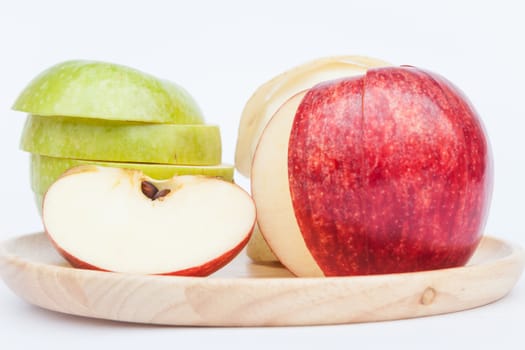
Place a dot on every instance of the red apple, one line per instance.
(387, 172)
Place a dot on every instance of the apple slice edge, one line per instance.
(271, 193)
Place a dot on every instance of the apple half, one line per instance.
(271, 95)
(387, 172)
(92, 89)
(120, 220)
(93, 139)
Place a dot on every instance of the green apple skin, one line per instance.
(95, 139)
(46, 170)
(102, 90)
(39, 199)
(187, 111)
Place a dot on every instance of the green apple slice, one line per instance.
(93, 139)
(46, 170)
(104, 90)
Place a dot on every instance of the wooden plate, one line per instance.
(247, 294)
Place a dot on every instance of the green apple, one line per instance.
(46, 170)
(95, 139)
(39, 198)
(104, 90)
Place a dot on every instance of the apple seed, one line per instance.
(152, 192)
(149, 190)
(161, 194)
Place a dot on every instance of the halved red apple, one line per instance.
(121, 220)
(387, 172)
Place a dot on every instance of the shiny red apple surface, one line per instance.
(389, 172)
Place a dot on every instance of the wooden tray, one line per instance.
(247, 294)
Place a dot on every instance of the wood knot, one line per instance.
(428, 296)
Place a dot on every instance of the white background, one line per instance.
(221, 51)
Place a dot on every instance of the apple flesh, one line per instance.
(91, 89)
(123, 221)
(46, 170)
(388, 172)
(103, 140)
(271, 193)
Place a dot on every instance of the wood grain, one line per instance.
(248, 294)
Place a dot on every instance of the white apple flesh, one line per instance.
(123, 221)
(271, 192)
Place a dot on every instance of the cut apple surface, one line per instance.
(123, 221)
(271, 95)
(92, 139)
(271, 193)
(46, 170)
(104, 90)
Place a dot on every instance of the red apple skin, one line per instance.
(197, 271)
(213, 265)
(389, 173)
(74, 261)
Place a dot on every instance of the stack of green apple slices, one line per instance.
(87, 112)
